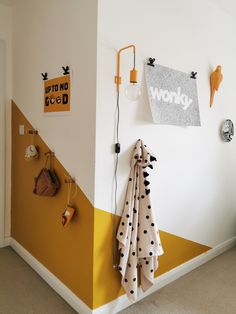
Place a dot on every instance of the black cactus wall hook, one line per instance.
(151, 62)
(193, 75)
(45, 76)
(66, 70)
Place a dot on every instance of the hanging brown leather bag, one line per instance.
(47, 182)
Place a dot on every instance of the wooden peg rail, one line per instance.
(52, 154)
(69, 180)
(33, 132)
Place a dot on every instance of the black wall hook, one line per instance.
(193, 75)
(45, 76)
(151, 62)
(66, 70)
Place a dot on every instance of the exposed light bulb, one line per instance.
(133, 91)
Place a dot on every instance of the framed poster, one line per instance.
(173, 96)
(57, 94)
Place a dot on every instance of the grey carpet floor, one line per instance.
(209, 289)
(22, 291)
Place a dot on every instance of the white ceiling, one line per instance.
(227, 5)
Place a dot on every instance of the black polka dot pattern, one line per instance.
(138, 239)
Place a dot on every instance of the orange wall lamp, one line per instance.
(132, 91)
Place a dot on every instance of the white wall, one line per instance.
(6, 37)
(47, 35)
(228, 6)
(193, 184)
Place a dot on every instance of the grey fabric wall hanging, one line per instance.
(172, 96)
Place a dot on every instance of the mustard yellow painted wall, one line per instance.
(81, 256)
(36, 221)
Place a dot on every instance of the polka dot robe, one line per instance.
(139, 241)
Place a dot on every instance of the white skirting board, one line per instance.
(122, 302)
(5, 242)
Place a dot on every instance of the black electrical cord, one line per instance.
(117, 150)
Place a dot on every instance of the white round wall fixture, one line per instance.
(227, 130)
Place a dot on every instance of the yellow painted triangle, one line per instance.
(107, 280)
(177, 251)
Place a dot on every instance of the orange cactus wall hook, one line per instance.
(216, 78)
